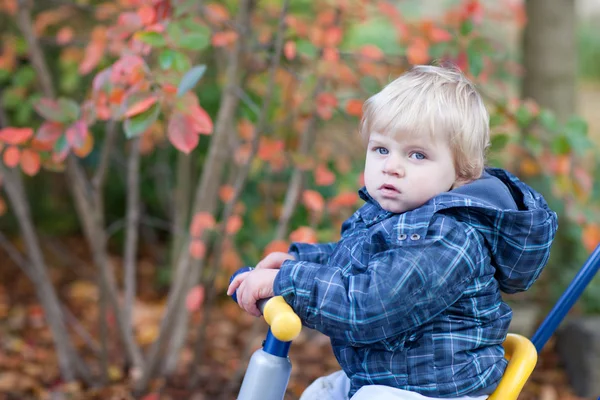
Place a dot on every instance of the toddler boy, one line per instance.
(410, 295)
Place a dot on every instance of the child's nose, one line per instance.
(393, 166)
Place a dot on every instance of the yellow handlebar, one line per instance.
(285, 324)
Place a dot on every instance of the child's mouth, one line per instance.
(389, 190)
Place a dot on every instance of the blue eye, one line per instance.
(382, 150)
(418, 156)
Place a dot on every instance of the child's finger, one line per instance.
(235, 283)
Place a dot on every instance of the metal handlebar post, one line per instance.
(269, 369)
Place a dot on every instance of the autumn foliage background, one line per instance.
(151, 148)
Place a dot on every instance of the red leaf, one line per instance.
(147, 14)
(418, 51)
(326, 102)
(313, 200)
(30, 162)
(354, 107)
(200, 120)
(591, 237)
(289, 50)
(151, 396)
(438, 35)
(11, 156)
(65, 35)
(197, 249)
(12, 135)
(181, 134)
(49, 132)
(323, 176)
(234, 223)
(200, 222)
(94, 51)
(276, 246)
(222, 39)
(304, 234)
(344, 199)
(77, 133)
(371, 52)
(140, 106)
(195, 298)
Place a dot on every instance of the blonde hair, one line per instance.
(432, 100)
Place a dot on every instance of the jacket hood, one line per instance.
(515, 221)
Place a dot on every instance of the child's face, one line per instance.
(403, 174)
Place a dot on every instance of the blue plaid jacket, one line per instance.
(413, 300)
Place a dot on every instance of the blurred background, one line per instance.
(150, 148)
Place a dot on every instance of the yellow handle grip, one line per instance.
(285, 324)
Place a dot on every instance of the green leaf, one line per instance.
(195, 40)
(24, 76)
(576, 131)
(175, 31)
(166, 58)
(534, 144)
(499, 141)
(466, 27)
(138, 124)
(496, 120)
(374, 31)
(475, 59)
(560, 145)
(190, 79)
(154, 39)
(69, 109)
(548, 120)
(523, 116)
(181, 62)
(306, 48)
(61, 144)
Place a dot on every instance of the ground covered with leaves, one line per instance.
(29, 368)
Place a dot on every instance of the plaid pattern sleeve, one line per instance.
(399, 288)
(316, 253)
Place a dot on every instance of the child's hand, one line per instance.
(274, 260)
(251, 287)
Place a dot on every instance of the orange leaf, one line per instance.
(11, 156)
(226, 193)
(3, 206)
(418, 51)
(289, 50)
(323, 176)
(591, 237)
(77, 134)
(371, 52)
(197, 249)
(333, 36)
(268, 149)
(330, 54)
(234, 223)
(529, 167)
(201, 221)
(313, 200)
(140, 106)
(86, 148)
(180, 133)
(200, 120)
(276, 246)
(30, 162)
(12, 135)
(438, 35)
(245, 129)
(94, 51)
(326, 102)
(222, 39)
(49, 132)
(344, 199)
(216, 13)
(304, 234)
(195, 298)
(65, 35)
(354, 107)
(147, 14)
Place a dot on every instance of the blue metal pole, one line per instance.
(566, 301)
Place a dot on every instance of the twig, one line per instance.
(110, 136)
(81, 331)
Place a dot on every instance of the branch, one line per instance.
(206, 194)
(132, 231)
(110, 136)
(241, 179)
